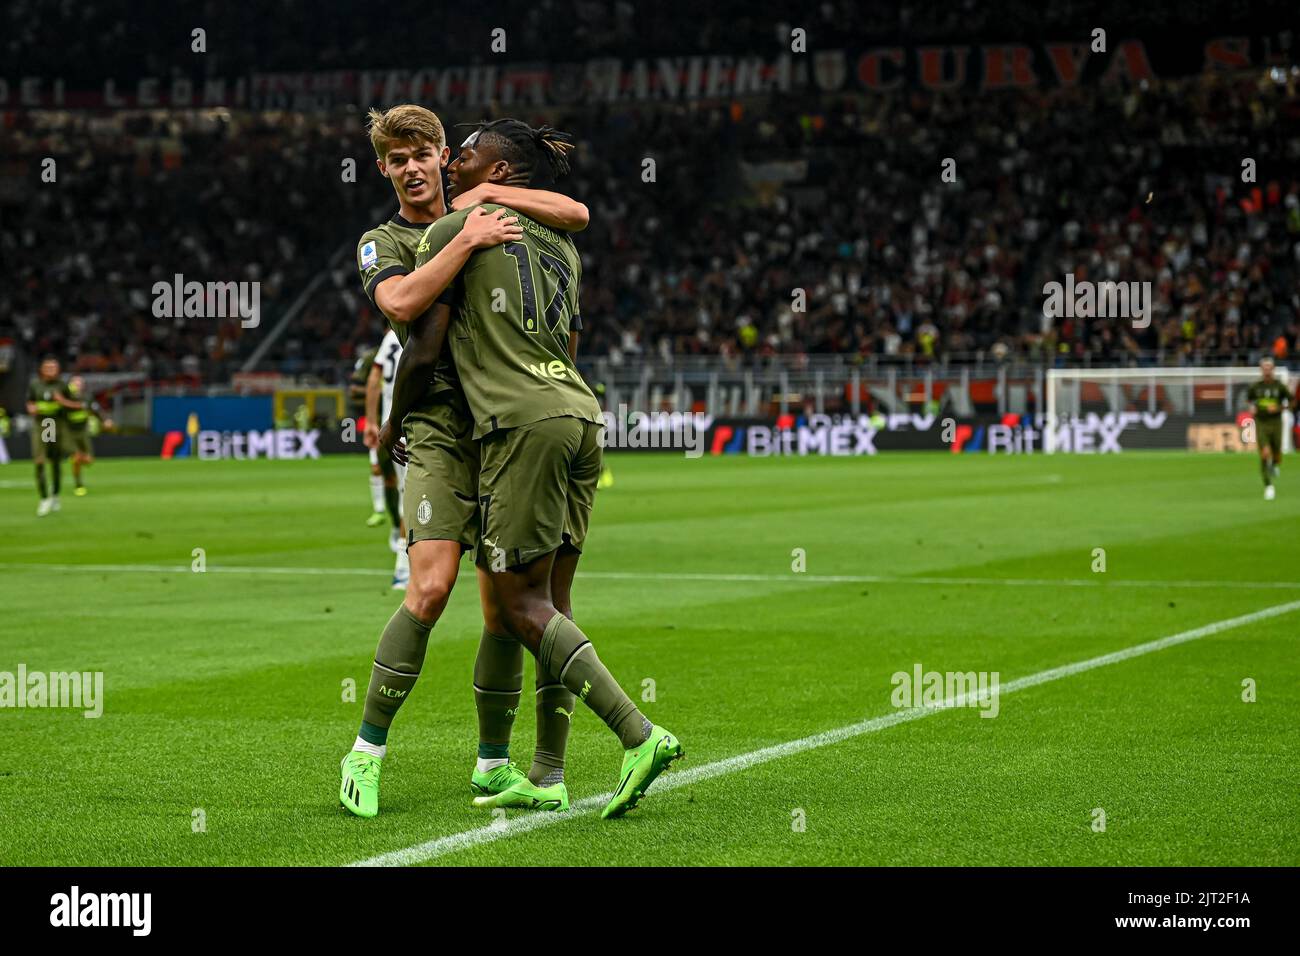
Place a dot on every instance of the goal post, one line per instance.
(1188, 408)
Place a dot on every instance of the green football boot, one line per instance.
(359, 791)
(376, 519)
(497, 780)
(526, 795)
(641, 765)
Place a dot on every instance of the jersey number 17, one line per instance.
(555, 286)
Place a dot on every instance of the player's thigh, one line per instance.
(1269, 438)
(584, 475)
(440, 490)
(562, 574)
(523, 595)
(434, 567)
(52, 450)
(1275, 440)
(493, 617)
(523, 490)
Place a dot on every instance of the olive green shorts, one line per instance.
(78, 440)
(1268, 433)
(46, 450)
(537, 485)
(440, 495)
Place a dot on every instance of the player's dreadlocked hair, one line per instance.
(525, 148)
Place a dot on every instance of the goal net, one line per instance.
(1196, 409)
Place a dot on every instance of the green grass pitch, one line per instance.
(224, 690)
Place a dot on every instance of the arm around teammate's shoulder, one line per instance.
(549, 208)
(444, 250)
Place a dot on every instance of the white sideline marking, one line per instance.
(930, 579)
(454, 842)
(791, 578)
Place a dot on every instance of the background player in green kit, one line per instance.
(541, 431)
(47, 402)
(1268, 399)
(78, 429)
(440, 505)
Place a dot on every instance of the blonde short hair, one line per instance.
(403, 125)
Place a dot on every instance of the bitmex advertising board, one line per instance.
(849, 435)
(856, 435)
(696, 435)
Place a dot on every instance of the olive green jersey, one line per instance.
(389, 250)
(1269, 397)
(44, 395)
(79, 418)
(360, 373)
(513, 306)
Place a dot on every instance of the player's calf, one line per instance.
(555, 708)
(42, 489)
(398, 661)
(377, 512)
(565, 652)
(498, 685)
(648, 750)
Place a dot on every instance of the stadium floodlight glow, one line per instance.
(1198, 395)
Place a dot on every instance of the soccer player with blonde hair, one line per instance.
(440, 506)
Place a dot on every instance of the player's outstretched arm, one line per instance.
(404, 298)
(414, 369)
(374, 385)
(552, 209)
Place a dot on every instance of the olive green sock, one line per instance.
(398, 660)
(566, 653)
(498, 684)
(555, 707)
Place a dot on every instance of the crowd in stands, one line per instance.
(94, 211)
(846, 202)
(787, 225)
(88, 40)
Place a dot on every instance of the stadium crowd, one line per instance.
(139, 198)
(750, 202)
(85, 40)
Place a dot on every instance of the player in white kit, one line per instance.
(390, 351)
